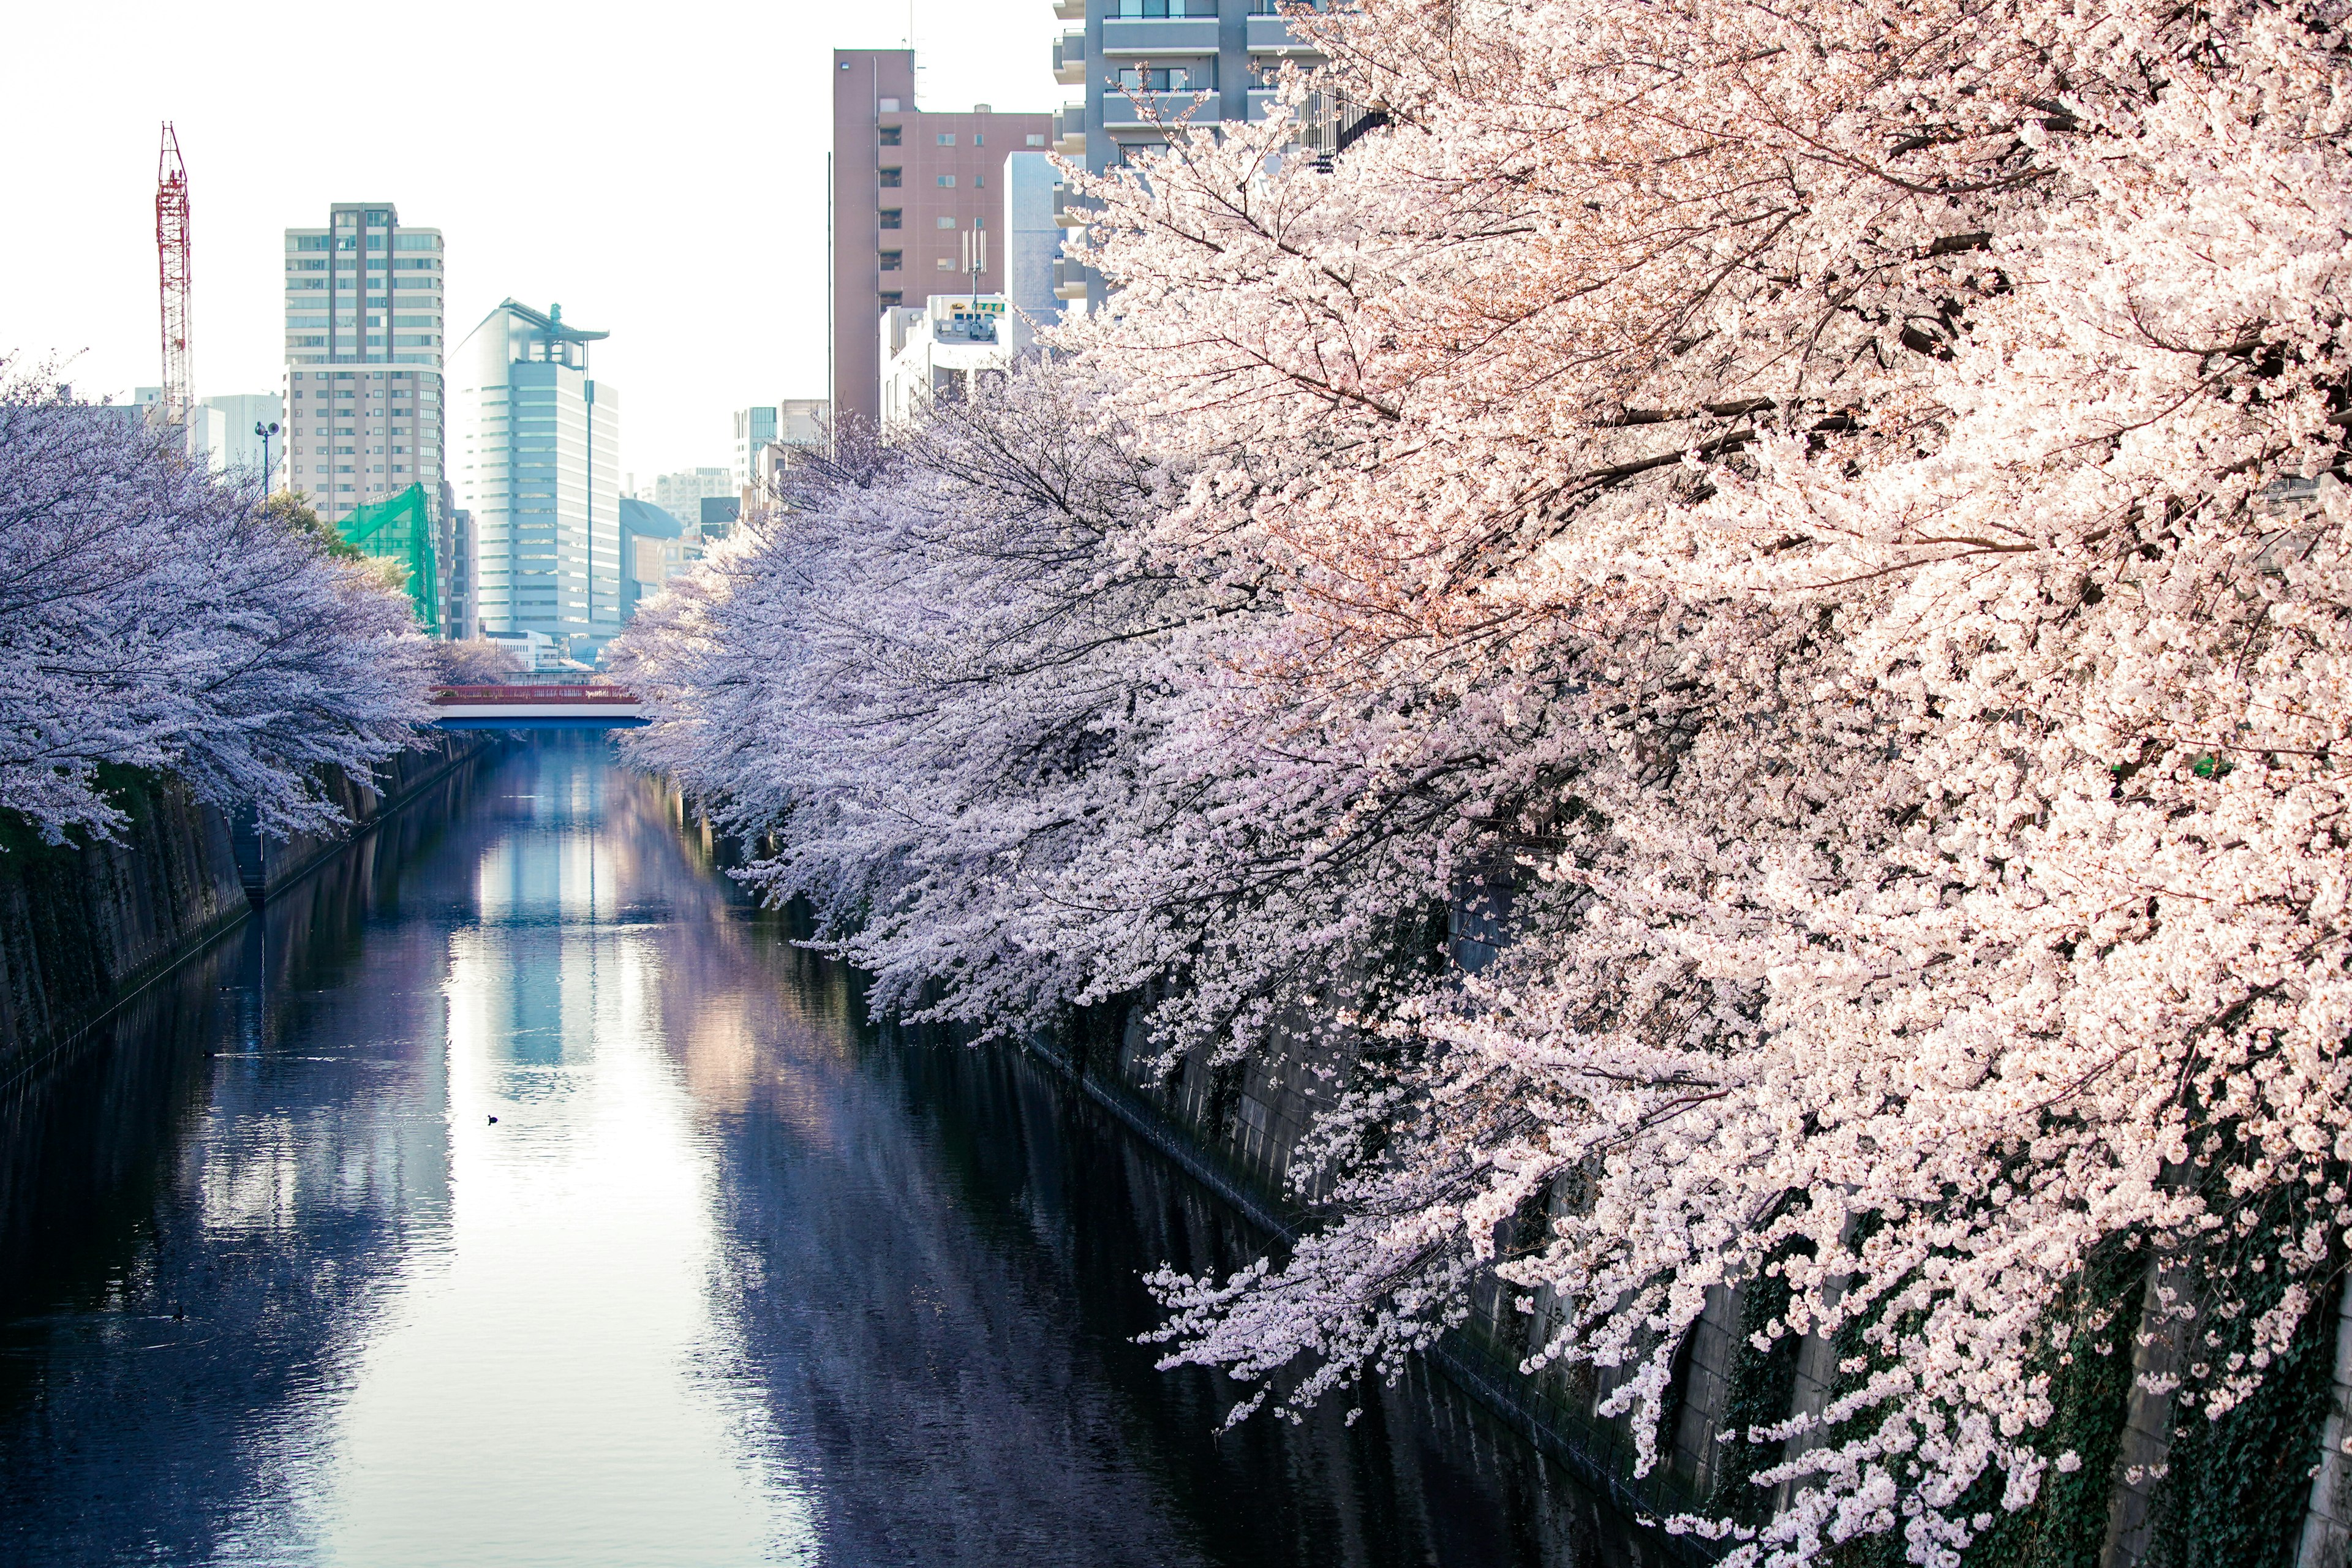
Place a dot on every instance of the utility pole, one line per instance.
(172, 253)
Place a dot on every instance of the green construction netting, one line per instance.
(401, 528)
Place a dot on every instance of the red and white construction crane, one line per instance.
(172, 253)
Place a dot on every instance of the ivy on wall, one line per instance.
(2087, 1356)
(2237, 1488)
(1763, 1384)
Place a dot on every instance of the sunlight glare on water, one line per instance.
(571, 1318)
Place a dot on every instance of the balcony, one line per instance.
(1272, 36)
(1070, 60)
(1158, 36)
(1070, 10)
(1071, 210)
(1070, 131)
(1069, 280)
(1199, 108)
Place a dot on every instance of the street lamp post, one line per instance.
(265, 432)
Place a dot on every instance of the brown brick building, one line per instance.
(908, 184)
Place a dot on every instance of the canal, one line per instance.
(513, 1193)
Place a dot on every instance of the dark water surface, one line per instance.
(729, 1280)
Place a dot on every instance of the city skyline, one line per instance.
(638, 168)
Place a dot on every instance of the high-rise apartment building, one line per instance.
(538, 465)
(909, 187)
(365, 412)
(1202, 60)
(754, 429)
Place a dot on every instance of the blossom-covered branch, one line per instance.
(1834, 518)
(151, 616)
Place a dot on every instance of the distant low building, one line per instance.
(754, 429)
(802, 421)
(681, 494)
(943, 351)
(536, 651)
(220, 429)
(717, 520)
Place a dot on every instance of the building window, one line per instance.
(947, 264)
(893, 260)
(947, 223)
(1201, 78)
(892, 218)
(890, 135)
(1036, 141)
(1131, 9)
(947, 138)
(946, 181)
(890, 299)
(978, 140)
(892, 179)
(889, 106)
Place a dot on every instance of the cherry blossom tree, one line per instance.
(151, 616)
(1834, 518)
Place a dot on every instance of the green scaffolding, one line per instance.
(401, 528)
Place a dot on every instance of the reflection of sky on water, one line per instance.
(565, 1346)
(726, 1282)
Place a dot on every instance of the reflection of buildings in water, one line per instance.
(727, 1281)
(972, 1390)
(570, 1323)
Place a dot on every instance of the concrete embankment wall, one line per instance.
(2159, 1487)
(83, 925)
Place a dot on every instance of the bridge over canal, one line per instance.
(583, 705)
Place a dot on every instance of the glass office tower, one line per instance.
(537, 466)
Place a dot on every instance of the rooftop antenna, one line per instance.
(172, 253)
(975, 257)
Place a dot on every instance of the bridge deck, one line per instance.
(569, 706)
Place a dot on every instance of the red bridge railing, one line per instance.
(472, 695)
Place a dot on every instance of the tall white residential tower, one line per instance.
(365, 414)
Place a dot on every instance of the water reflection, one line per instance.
(727, 1280)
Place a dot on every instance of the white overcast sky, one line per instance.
(658, 170)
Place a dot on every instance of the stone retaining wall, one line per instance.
(83, 925)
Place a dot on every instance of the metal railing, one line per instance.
(451, 695)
